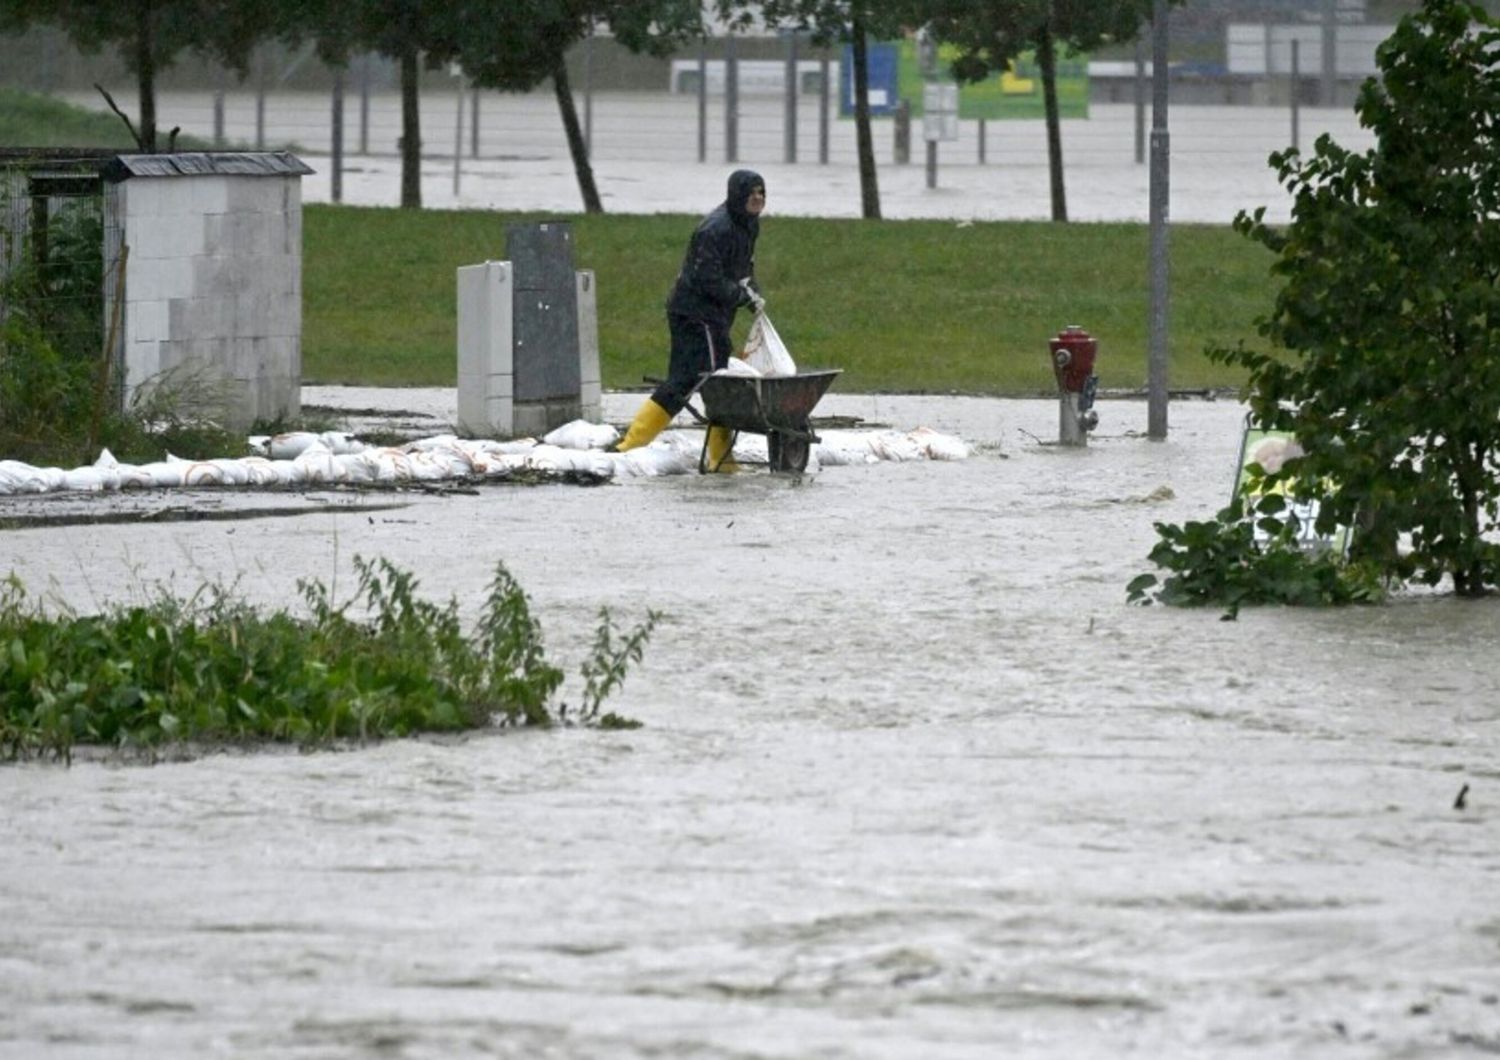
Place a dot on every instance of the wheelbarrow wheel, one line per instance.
(786, 453)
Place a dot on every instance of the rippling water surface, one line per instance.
(913, 782)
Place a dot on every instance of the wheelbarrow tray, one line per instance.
(780, 404)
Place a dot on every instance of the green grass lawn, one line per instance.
(899, 305)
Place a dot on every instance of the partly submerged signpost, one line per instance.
(1271, 450)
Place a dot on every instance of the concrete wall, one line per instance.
(213, 293)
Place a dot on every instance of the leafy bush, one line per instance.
(1220, 562)
(1385, 358)
(213, 669)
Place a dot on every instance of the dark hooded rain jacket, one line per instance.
(720, 254)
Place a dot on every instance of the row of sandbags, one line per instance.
(304, 458)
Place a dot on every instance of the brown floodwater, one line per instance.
(913, 781)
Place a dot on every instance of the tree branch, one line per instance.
(111, 101)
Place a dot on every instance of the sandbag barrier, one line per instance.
(304, 458)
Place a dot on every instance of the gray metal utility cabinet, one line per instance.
(213, 281)
(528, 337)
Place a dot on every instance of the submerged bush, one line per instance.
(1220, 562)
(214, 669)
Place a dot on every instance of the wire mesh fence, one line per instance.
(1247, 77)
(59, 247)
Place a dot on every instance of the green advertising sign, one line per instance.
(1017, 93)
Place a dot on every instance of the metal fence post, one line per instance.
(789, 134)
(731, 102)
(703, 99)
(825, 94)
(1161, 154)
(1296, 96)
(336, 134)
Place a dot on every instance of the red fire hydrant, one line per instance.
(1073, 353)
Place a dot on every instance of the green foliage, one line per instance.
(46, 399)
(213, 669)
(31, 120)
(1385, 359)
(514, 45)
(604, 671)
(53, 409)
(1220, 562)
(150, 34)
(992, 33)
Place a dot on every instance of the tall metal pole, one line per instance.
(219, 110)
(1140, 98)
(364, 104)
(1296, 96)
(458, 137)
(336, 133)
(260, 99)
(703, 100)
(1161, 154)
(790, 127)
(474, 123)
(825, 94)
(731, 102)
(1330, 52)
(588, 95)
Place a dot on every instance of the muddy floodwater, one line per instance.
(913, 782)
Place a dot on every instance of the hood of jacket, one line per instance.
(741, 183)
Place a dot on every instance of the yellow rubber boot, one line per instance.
(650, 421)
(720, 451)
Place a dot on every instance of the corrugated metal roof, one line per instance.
(202, 163)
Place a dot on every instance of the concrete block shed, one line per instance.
(211, 307)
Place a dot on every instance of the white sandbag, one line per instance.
(91, 479)
(164, 474)
(738, 366)
(893, 445)
(288, 473)
(291, 445)
(938, 446)
(106, 459)
(341, 443)
(386, 465)
(553, 459)
(19, 477)
(459, 460)
(204, 473)
(651, 460)
(841, 448)
(259, 471)
(133, 477)
(353, 467)
(317, 465)
(765, 351)
(581, 434)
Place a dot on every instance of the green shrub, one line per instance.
(213, 669)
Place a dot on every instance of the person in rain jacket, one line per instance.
(717, 278)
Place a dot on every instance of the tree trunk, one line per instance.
(1046, 57)
(411, 133)
(869, 191)
(576, 147)
(145, 75)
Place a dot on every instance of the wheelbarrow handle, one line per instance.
(658, 381)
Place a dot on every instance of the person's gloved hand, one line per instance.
(756, 300)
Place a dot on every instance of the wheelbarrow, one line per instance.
(778, 406)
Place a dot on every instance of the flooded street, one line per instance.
(913, 782)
